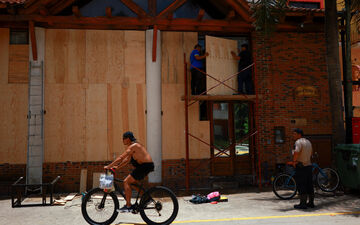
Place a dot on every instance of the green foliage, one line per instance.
(267, 14)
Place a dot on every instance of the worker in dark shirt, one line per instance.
(245, 76)
(198, 79)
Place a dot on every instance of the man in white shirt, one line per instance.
(303, 175)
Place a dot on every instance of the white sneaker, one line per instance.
(125, 209)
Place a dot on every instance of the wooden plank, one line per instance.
(76, 11)
(4, 55)
(141, 105)
(174, 45)
(221, 97)
(65, 56)
(33, 40)
(110, 137)
(96, 113)
(135, 57)
(96, 182)
(70, 197)
(220, 64)
(60, 6)
(64, 123)
(105, 56)
(174, 116)
(243, 11)
(18, 64)
(83, 180)
(13, 129)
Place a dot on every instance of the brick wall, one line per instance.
(173, 174)
(284, 62)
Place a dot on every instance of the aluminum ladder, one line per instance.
(35, 142)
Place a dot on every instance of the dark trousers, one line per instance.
(198, 82)
(304, 181)
(245, 78)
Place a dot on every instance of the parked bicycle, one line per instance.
(284, 185)
(157, 205)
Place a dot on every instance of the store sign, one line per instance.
(306, 91)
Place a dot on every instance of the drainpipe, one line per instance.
(153, 104)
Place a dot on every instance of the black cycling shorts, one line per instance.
(141, 171)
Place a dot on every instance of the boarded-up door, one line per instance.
(221, 65)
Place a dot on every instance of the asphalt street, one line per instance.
(242, 208)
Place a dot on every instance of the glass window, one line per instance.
(242, 128)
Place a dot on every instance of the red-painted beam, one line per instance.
(244, 13)
(201, 14)
(33, 39)
(108, 12)
(171, 8)
(154, 43)
(134, 7)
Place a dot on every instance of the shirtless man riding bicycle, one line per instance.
(138, 156)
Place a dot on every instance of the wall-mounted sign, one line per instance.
(306, 91)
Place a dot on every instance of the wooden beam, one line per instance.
(230, 15)
(221, 97)
(33, 40)
(201, 14)
(108, 12)
(134, 7)
(154, 44)
(60, 6)
(43, 11)
(2, 5)
(135, 23)
(171, 8)
(152, 7)
(76, 11)
(33, 6)
(244, 14)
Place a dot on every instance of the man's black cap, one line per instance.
(130, 135)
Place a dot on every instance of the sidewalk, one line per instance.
(241, 206)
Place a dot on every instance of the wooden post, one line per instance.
(187, 180)
(154, 44)
(33, 40)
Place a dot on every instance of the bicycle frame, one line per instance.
(314, 167)
(121, 192)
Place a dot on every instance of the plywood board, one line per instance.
(174, 126)
(64, 123)
(96, 178)
(134, 57)
(96, 123)
(174, 46)
(65, 56)
(220, 64)
(4, 55)
(18, 63)
(13, 125)
(83, 180)
(105, 56)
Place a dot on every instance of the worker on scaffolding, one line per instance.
(245, 72)
(198, 79)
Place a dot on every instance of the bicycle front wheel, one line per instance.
(327, 179)
(99, 207)
(159, 206)
(284, 186)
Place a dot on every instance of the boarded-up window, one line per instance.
(18, 63)
(19, 37)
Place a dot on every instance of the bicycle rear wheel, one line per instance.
(327, 179)
(159, 205)
(99, 207)
(284, 186)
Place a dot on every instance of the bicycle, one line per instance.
(284, 185)
(157, 206)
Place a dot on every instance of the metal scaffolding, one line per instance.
(203, 97)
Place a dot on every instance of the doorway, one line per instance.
(230, 125)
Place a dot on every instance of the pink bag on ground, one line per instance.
(213, 195)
